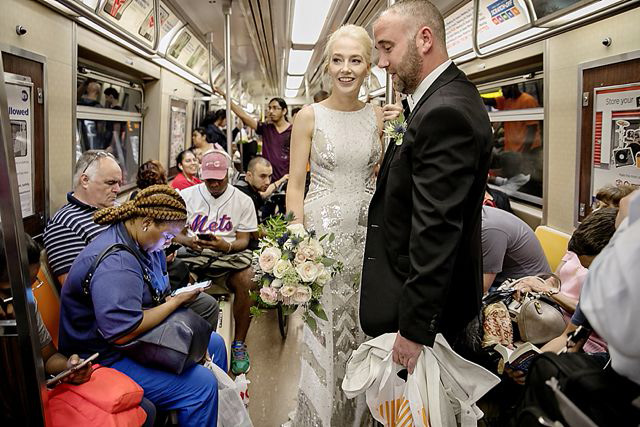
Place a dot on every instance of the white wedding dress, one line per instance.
(345, 148)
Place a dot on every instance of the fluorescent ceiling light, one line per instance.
(308, 20)
(299, 61)
(179, 71)
(206, 87)
(466, 57)
(291, 93)
(294, 82)
(112, 36)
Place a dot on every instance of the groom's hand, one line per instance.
(406, 352)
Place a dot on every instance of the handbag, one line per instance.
(177, 343)
(538, 317)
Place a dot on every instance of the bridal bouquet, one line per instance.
(292, 268)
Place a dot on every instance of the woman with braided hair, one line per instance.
(121, 307)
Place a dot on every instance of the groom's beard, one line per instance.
(407, 76)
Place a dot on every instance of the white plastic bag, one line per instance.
(242, 385)
(394, 401)
(231, 410)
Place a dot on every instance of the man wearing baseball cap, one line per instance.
(220, 221)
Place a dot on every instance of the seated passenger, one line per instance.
(609, 196)
(96, 179)
(257, 183)
(150, 173)
(120, 307)
(54, 362)
(221, 220)
(188, 170)
(510, 250)
(591, 236)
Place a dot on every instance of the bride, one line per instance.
(341, 137)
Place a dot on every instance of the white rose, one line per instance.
(281, 268)
(268, 259)
(287, 291)
(317, 247)
(300, 256)
(297, 230)
(308, 271)
(323, 276)
(277, 283)
(302, 295)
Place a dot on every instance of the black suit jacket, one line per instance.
(422, 270)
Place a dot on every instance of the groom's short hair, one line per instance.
(422, 13)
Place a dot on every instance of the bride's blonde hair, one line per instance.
(354, 32)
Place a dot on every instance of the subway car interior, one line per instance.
(319, 213)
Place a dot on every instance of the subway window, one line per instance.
(108, 117)
(516, 111)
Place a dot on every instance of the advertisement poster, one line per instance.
(128, 14)
(21, 118)
(496, 18)
(188, 51)
(167, 21)
(178, 131)
(616, 136)
(547, 7)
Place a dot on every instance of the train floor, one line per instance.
(275, 369)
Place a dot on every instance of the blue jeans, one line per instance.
(218, 351)
(193, 394)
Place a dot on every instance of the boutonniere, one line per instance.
(395, 129)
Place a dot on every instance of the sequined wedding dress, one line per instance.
(345, 148)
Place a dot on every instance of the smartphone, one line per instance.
(206, 236)
(62, 375)
(199, 285)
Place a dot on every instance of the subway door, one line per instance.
(25, 93)
(610, 137)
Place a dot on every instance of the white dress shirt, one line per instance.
(610, 297)
(426, 83)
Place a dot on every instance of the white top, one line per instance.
(426, 83)
(611, 296)
(224, 216)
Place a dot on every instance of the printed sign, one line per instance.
(616, 136)
(130, 15)
(19, 97)
(496, 18)
(178, 133)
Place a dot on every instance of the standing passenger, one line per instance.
(119, 307)
(276, 133)
(423, 258)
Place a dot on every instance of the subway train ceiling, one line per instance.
(261, 36)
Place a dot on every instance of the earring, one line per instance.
(145, 229)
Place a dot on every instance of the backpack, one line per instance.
(602, 395)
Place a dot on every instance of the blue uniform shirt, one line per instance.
(118, 295)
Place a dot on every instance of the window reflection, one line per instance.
(517, 165)
(103, 94)
(120, 138)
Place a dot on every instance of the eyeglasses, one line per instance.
(95, 156)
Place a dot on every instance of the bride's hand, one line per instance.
(392, 111)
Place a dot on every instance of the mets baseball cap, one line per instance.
(214, 165)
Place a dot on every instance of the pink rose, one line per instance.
(268, 259)
(302, 295)
(269, 295)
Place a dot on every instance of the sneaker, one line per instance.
(239, 358)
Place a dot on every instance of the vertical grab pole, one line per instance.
(28, 370)
(226, 9)
(388, 93)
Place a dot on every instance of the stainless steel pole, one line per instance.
(20, 350)
(388, 93)
(226, 9)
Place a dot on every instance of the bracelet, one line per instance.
(230, 246)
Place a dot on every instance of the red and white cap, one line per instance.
(214, 165)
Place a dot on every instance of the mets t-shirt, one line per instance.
(224, 216)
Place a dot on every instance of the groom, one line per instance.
(422, 270)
